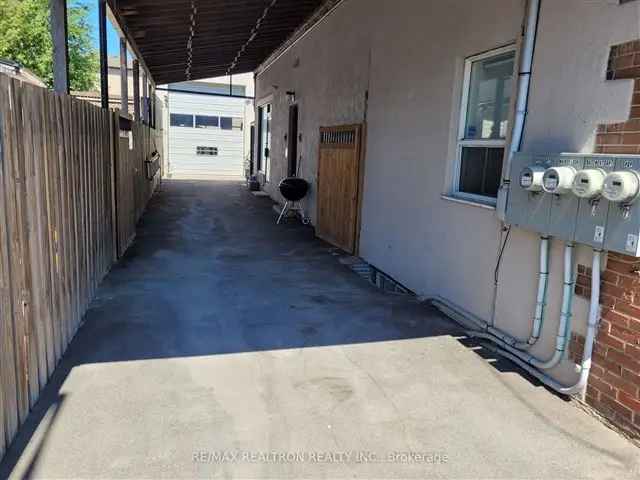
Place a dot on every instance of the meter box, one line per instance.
(593, 210)
(622, 189)
(558, 182)
(529, 205)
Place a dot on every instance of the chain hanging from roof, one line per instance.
(252, 36)
(192, 32)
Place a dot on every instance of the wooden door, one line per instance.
(338, 185)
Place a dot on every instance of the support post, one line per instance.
(104, 65)
(124, 79)
(60, 45)
(145, 98)
(152, 106)
(136, 90)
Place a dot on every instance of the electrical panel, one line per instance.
(594, 208)
(621, 189)
(590, 199)
(529, 205)
(558, 182)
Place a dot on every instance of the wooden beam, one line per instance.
(124, 79)
(104, 65)
(136, 90)
(60, 45)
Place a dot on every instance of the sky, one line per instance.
(113, 43)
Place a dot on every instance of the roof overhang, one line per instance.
(229, 36)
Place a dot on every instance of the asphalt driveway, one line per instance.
(224, 346)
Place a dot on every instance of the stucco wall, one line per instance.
(411, 60)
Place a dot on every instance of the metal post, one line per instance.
(124, 79)
(136, 90)
(60, 45)
(104, 66)
(145, 98)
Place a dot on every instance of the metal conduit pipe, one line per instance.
(541, 303)
(564, 326)
(577, 388)
(478, 328)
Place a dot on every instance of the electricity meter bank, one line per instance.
(589, 199)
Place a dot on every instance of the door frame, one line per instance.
(360, 145)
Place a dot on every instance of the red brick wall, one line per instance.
(614, 383)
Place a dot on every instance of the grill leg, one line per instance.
(285, 209)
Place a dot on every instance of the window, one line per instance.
(206, 121)
(236, 123)
(489, 81)
(181, 120)
(226, 123)
(207, 151)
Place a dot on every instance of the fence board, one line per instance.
(71, 192)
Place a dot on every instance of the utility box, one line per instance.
(594, 208)
(529, 205)
(588, 199)
(558, 182)
(622, 189)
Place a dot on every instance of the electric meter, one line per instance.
(589, 183)
(531, 178)
(621, 187)
(558, 180)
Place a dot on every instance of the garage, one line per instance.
(206, 130)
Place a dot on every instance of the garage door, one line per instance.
(206, 136)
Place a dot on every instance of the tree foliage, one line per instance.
(25, 37)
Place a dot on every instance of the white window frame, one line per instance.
(461, 142)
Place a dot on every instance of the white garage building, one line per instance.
(208, 122)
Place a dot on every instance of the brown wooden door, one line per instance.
(338, 184)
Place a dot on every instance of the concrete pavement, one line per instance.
(224, 346)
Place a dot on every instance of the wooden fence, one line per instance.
(67, 190)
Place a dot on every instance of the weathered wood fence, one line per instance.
(71, 192)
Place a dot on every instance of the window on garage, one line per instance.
(181, 120)
(226, 123)
(207, 121)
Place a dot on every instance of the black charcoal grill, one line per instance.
(293, 189)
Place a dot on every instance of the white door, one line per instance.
(205, 136)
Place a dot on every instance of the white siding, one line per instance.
(183, 141)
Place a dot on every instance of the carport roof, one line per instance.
(229, 36)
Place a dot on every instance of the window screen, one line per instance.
(181, 120)
(206, 121)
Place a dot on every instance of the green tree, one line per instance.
(25, 38)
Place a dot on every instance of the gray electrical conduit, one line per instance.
(564, 325)
(541, 303)
(473, 323)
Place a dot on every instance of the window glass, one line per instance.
(236, 123)
(226, 123)
(490, 89)
(480, 170)
(206, 121)
(181, 120)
